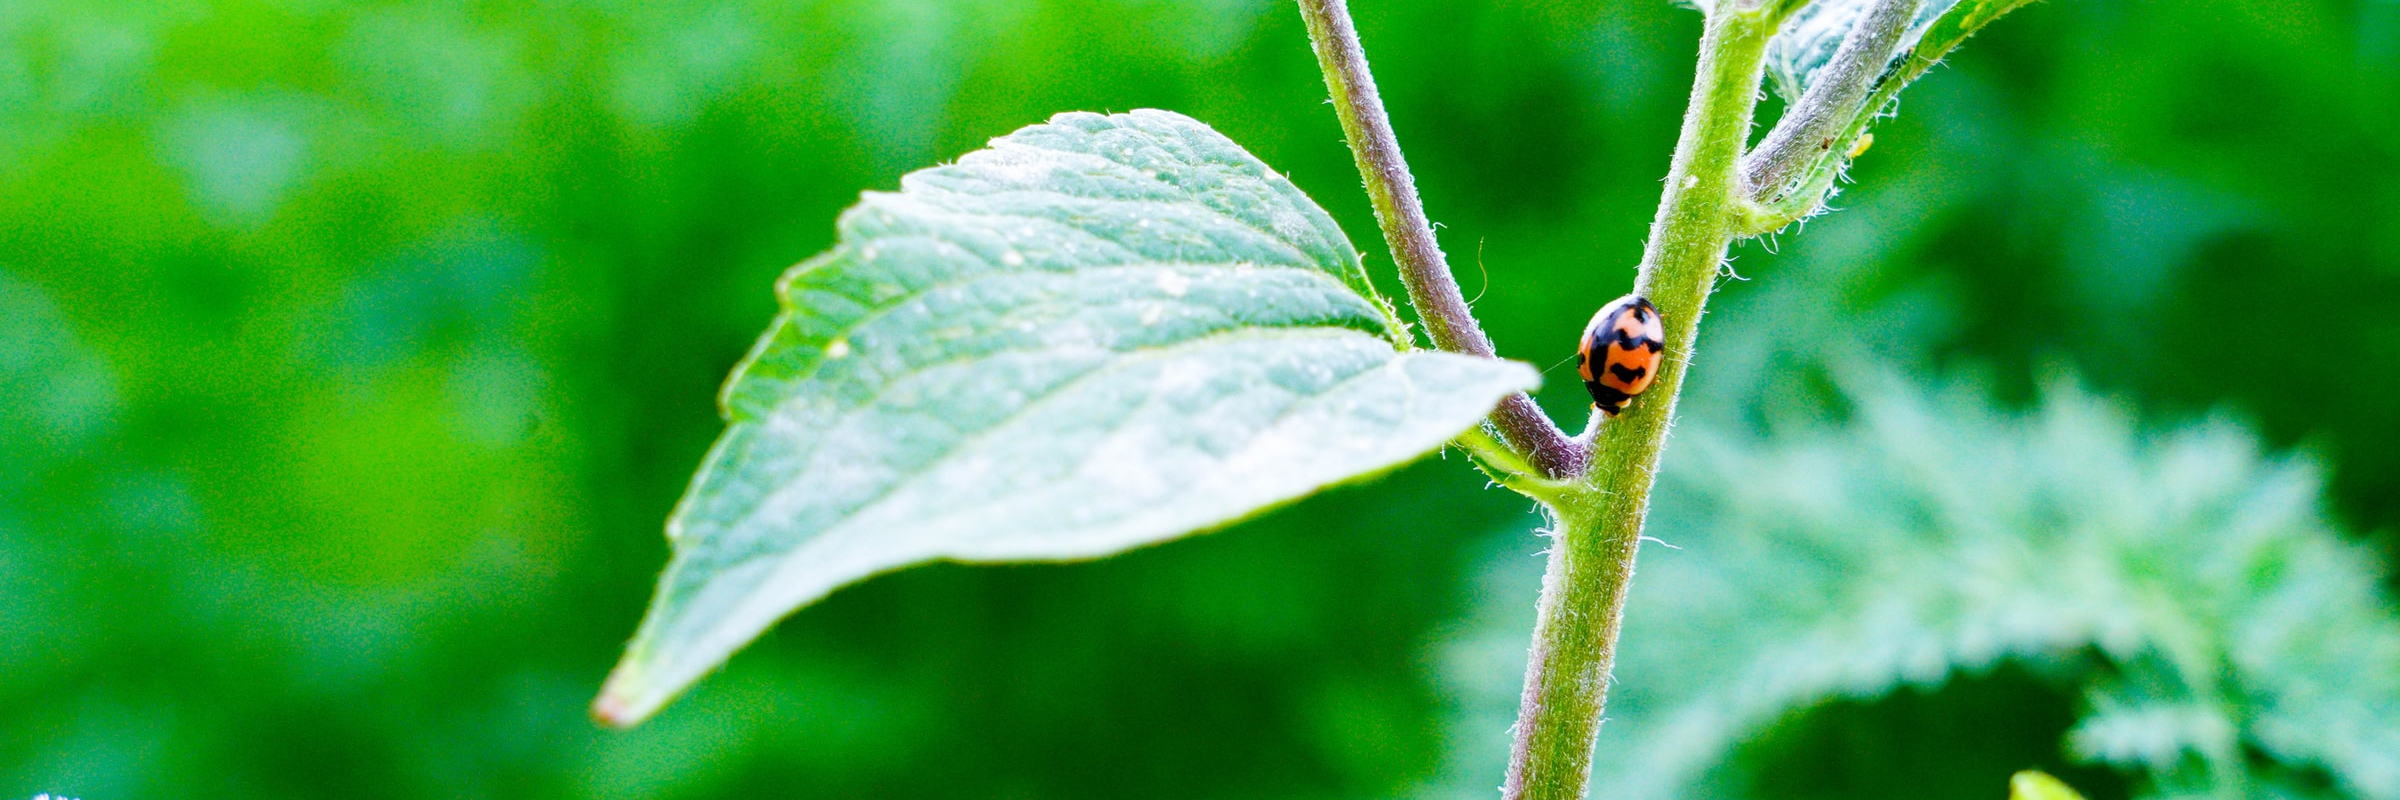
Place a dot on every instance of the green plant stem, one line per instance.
(1598, 521)
(1432, 291)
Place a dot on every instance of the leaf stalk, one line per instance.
(1432, 290)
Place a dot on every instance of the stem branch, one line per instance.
(1431, 289)
(1806, 137)
(1599, 523)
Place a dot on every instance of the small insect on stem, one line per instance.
(1620, 352)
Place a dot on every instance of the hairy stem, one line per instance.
(1806, 136)
(1599, 522)
(1431, 289)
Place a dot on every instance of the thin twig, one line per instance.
(1810, 128)
(1431, 289)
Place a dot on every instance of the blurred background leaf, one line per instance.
(2220, 639)
(351, 357)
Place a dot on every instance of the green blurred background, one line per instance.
(352, 354)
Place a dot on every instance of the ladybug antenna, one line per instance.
(1561, 362)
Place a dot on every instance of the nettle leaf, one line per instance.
(2222, 631)
(2221, 627)
(1099, 333)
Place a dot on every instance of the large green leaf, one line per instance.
(1102, 332)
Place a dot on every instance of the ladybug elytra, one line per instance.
(1619, 354)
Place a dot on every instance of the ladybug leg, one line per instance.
(1607, 398)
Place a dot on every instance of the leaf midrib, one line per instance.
(968, 441)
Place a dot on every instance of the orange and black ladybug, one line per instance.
(1619, 354)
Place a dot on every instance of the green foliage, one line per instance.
(1103, 332)
(59, 394)
(56, 401)
(2188, 587)
(385, 335)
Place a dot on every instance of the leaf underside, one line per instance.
(1808, 40)
(1099, 333)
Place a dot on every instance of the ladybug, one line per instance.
(1619, 354)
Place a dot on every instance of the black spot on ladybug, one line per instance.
(1628, 374)
(1626, 339)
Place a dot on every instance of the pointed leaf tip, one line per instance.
(614, 710)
